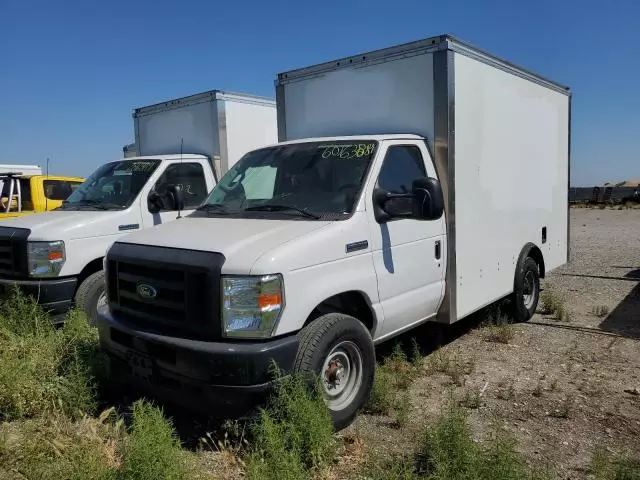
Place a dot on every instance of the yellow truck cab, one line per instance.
(26, 190)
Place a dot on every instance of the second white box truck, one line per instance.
(182, 145)
(416, 183)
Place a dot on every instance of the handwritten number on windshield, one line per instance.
(355, 150)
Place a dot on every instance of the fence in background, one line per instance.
(602, 194)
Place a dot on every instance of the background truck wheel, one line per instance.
(90, 294)
(526, 290)
(339, 349)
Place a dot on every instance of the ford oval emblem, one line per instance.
(146, 291)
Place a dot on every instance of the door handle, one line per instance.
(438, 249)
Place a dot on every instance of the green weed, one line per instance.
(42, 367)
(294, 435)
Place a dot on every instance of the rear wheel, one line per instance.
(90, 295)
(526, 291)
(339, 349)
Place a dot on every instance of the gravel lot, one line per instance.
(561, 388)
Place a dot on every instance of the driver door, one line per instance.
(407, 253)
(190, 177)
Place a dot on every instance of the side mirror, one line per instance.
(425, 202)
(173, 199)
(175, 195)
(428, 199)
(154, 202)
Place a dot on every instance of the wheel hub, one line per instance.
(342, 375)
(528, 289)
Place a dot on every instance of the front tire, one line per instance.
(526, 291)
(91, 293)
(339, 349)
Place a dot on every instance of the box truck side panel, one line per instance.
(159, 132)
(248, 125)
(511, 178)
(390, 95)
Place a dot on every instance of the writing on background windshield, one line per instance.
(318, 178)
(113, 185)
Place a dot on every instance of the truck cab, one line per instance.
(56, 256)
(24, 194)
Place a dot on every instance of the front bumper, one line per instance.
(208, 377)
(54, 295)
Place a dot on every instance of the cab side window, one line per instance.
(402, 165)
(189, 177)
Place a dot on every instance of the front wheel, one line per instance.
(90, 295)
(340, 350)
(526, 291)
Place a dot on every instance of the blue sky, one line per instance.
(72, 71)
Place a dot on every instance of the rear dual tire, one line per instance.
(526, 290)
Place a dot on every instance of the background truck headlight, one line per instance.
(45, 259)
(252, 305)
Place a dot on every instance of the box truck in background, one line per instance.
(129, 150)
(183, 145)
(417, 183)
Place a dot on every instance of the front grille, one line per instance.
(185, 286)
(13, 252)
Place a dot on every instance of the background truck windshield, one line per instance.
(315, 178)
(114, 185)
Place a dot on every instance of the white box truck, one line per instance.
(57, 256)
(416, 183)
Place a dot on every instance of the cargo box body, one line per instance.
(221, 125)
(499, 136)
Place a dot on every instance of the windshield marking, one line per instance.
(355, 150)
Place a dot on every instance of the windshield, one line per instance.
(315, 180)
(113, 186)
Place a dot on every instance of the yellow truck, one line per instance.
(24, 189)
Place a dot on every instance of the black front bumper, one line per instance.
(209, 377)
(54, 295)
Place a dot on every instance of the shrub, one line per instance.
(449, 452)
(382, 396)
(499, 333)
(42, 367)
(293, 436)
(152, 449)
(55, 447)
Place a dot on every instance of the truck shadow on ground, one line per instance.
(624, 320)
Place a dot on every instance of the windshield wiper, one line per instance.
(281, 208)
(91, 204)
(214, 207)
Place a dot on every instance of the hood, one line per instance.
(241, 241)
(61, 225)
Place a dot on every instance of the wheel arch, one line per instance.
(93, 266)
(533, 251)
(352, 302)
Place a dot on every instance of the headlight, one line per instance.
(251, 306)
(45, 258)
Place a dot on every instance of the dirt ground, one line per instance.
(561, 388)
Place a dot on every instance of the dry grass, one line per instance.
(452, 365)
(551, 303)
(600, 311)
